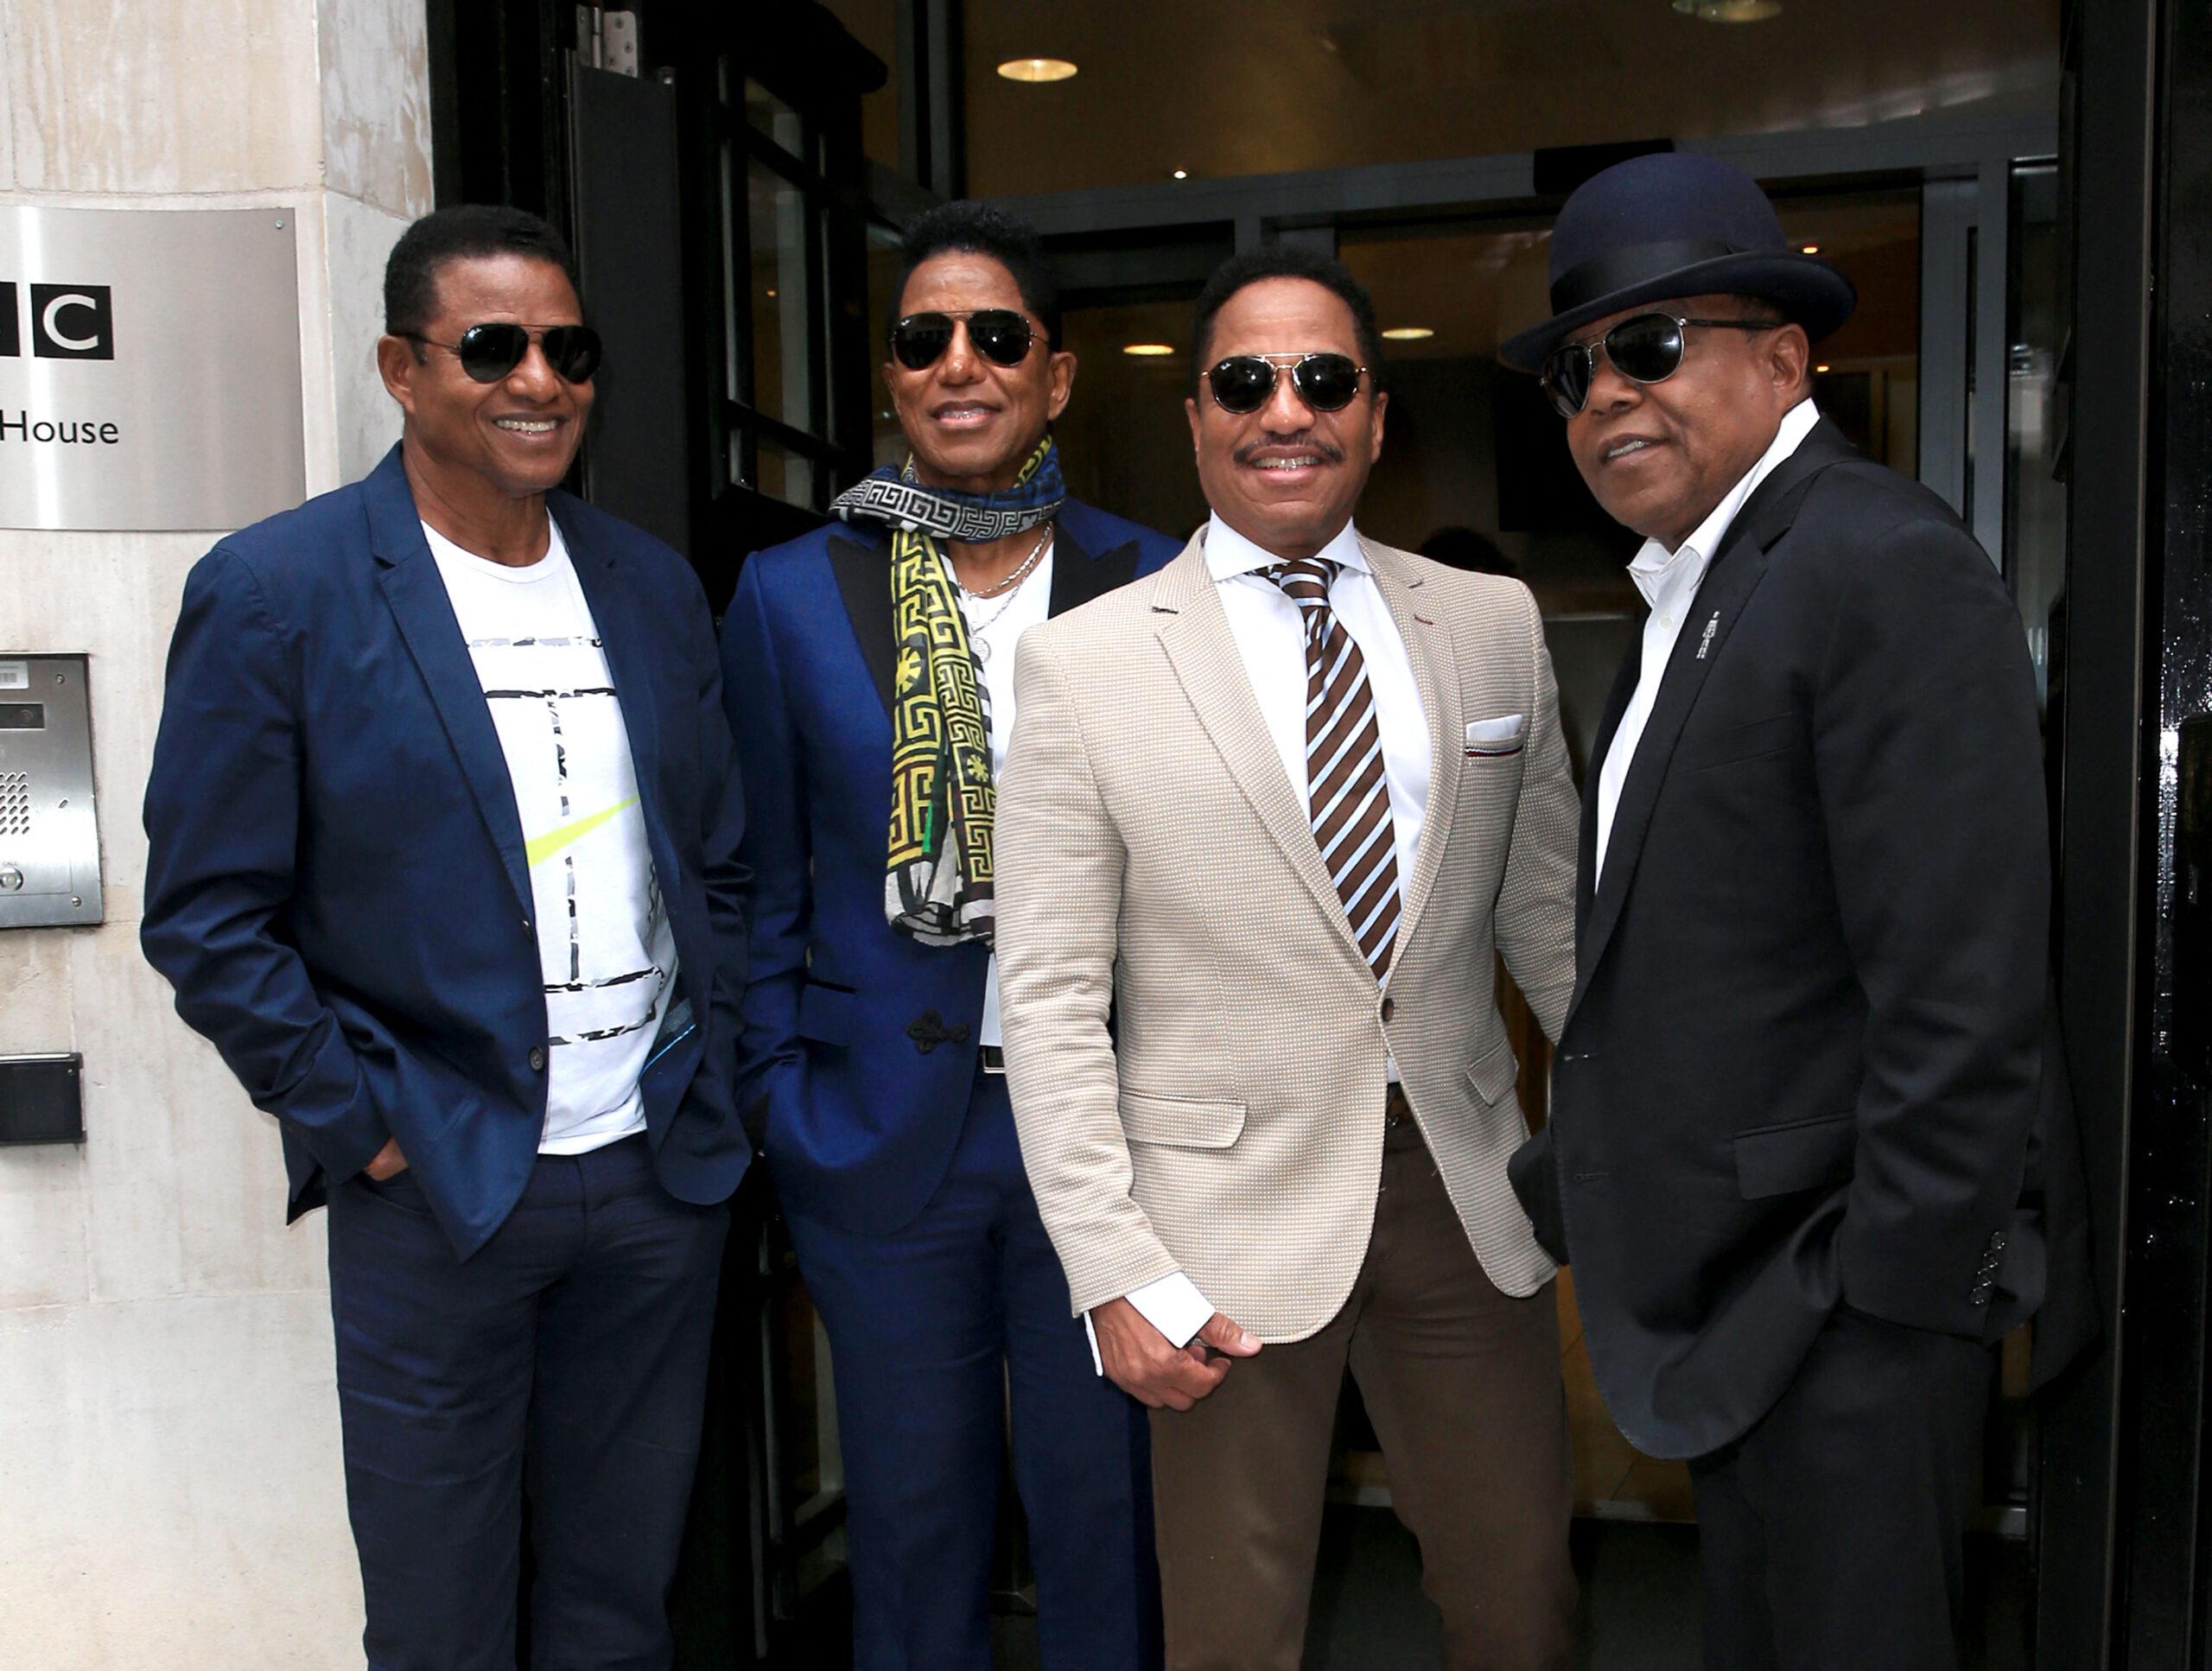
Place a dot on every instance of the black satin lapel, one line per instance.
(864, 581)
(1608, 725)
(1078, 577)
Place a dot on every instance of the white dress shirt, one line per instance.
(1270, 635)
(1003, 620)
(1668, 581)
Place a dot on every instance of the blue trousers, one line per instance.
(567, 1359)
(931, 1329)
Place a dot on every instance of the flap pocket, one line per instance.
(1184, 1121)
(825, 1013)
(1742, 742)
(1805, 1154)
(1494, 1072)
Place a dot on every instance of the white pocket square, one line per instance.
(1496, 736)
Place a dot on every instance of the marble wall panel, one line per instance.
(359, 238)
(174, 1487)
(376, 103)
(162, 95)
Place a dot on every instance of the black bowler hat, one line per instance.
(1672, 224)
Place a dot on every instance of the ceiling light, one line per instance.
(1037, 69)
(1820, 368)
(1730, 11)
(1408, 333)
(1147, 350)
(1809, 249)
(1182, 174)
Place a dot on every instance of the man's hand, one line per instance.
(389, 1160)
(1141, 1362)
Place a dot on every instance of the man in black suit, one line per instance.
(1797, 1089)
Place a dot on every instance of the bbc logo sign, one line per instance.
(67, 322)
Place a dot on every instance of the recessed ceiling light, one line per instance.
(1408, 333)
(1182, 174)
(1809, 249)
(1037, 69)
(1820, 368)
(771, 289)
(1148, 350)
(1730, 11)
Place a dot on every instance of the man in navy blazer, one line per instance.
(861, 657)
(443, 826)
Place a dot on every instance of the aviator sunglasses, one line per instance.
(1000, 335)
(1647, 348)
(488, 352)
(1244, 383)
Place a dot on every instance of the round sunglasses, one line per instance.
(1000, 335)
(1244, 383)
(1647, 348)
(489, 353)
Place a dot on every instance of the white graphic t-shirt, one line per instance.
(604, 942)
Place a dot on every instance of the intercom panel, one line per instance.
(49, 836)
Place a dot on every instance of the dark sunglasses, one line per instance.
(488, 352)
(1000, 335)
(1645, 349)
(1244, 383)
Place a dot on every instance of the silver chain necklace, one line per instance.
(1009, 588)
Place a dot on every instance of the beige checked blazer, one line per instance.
(1155, 866)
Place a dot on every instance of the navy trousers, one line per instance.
(567, 1359)
(931, 1329)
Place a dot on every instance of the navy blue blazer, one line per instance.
(859, 1044)
(336, 884)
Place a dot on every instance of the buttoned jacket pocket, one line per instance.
(1183, 1122)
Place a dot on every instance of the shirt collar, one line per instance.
(1229, 554)
(1659, 572)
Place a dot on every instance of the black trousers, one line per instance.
(1829, 1534)
(567, 1358)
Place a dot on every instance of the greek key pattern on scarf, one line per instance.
(894, 498)
(937, 881)
(938, 888)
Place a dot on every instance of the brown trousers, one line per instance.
(1463, 1386)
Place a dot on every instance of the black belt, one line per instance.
(991, 1059)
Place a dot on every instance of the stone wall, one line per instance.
(170, 1492)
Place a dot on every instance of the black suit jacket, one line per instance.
(1804, 1058)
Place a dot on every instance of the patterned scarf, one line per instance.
(938, 887)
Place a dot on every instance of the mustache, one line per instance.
(1309, 441)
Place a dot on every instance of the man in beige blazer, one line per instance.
(1268, 815)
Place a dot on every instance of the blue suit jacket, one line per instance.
(336, 884)
(859, 1044)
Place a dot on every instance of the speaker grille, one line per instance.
(15, 804)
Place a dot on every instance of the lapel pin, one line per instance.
(1705, 644)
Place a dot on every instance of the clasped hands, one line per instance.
(1146, 1365)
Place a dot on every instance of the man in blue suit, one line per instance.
(870, 669)
(444, 827)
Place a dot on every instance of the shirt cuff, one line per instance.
(1172, 1305)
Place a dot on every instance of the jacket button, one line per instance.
(1389, 1008)
(537, 1058)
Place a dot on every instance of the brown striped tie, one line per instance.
(1348, 797)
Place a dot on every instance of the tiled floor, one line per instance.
(1639, 1607)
